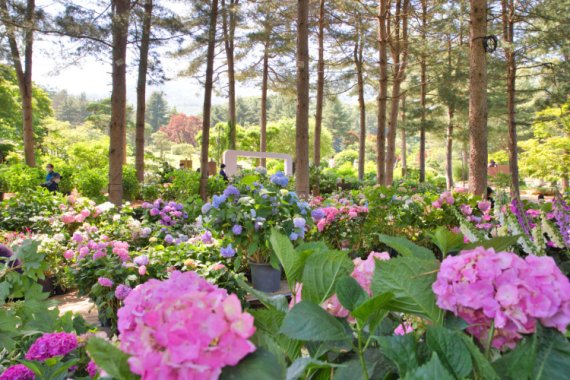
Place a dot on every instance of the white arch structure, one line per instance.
(231, 156)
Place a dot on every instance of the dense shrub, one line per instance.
(19, 177)
(131, 186)
(92, 183)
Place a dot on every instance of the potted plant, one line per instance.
(244, 219)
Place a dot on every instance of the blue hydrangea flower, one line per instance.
(168, 239)
(299, 223)
(237, 229)
(280, 179)
(228, 251)
(231, 190)
(218, 200)
(252, 213)
(294, 236)
(317, 214)
(206, 208)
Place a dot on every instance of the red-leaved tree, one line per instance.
(182, 128)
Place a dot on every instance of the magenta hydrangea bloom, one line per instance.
(404, 328)
(52, 344)
(105, 282)
(484, 287)
(183, 328)
(122, 291)
(17, 372)
(92, 369)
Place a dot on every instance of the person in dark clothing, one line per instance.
(490, 196)
(50, 172)
(223, 173)
(53, 184)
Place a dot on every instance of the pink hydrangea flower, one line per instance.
(484, 206)
(52, 344)
(403, 329)
(68, 218)
(105, 282)
(484, 287)
(92, 369)
(122, 291)
(466, 209)
(183, 327)
(18, 372)
(69, 254)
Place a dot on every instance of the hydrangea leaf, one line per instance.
(433, 369)
(110, 359)
(309, 322)
(481, 365)
(401, 350)
(404, 247)
(451, 350)
(322, 271)
(410, 280)
(259, 365)
(350, 294)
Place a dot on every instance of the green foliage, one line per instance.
(31, 209)
(19, 177)
(110, 359)
(131, 186)
(92, 183)
(309, 322)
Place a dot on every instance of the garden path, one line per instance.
(78, 304)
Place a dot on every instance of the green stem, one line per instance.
(489, 341)
(361, 353)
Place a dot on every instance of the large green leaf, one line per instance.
(401, 350)
(405, 247)
(446, 240)
(309, 322)
(322, 271)
(432, 370)
(291, 260)
(410, 280)
(301, 365)
(542, 356)
(259, 365)
(350, 293)
(110, 359)
(268, 321)
(373, 310)
(377, 366)
(278, 302)
(451, 350)
(481, 365)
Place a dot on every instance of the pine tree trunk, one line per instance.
(141, 91)
(423, 92)
(320, 86)
(382, 92)
(24, 75)
(263, 121)
(117, 128)
(449, 150)
(302, 123)
(403, 137)
(229, 25)
(358, 63)
(208, 101)
(508, 9)
(399, 57)
(478, 99)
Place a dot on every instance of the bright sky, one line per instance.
(93, 77)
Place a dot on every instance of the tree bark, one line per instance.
(117, 128)
(229, 26)
(141, 91)
(302, 123)
(449, 150)
(423, 92)
(358, 63)
(508, 10)
(399, 57)
(23, 74)
(382, 92)
(208, 101)
(320, 88)
(478, 99)
(263, 121)
(403, 137)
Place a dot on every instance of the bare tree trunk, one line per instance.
(403, 136)
(263, 121)
(464, 163)
(229, 26)
(423, 91)
(24, 75)
(117, 128)
(358, 63)
(449, 150)
(508, 9)
(382, 92)
(399, 57)
(302, 127)
(208, 101)
(141, 90)
(478, 99)
(320, 91)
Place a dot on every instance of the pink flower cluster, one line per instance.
(18, 372)
(363, 273)
(100, 249)
(404, 328)
(183, 328)
(52, 344)
(326, 216)
(485, 288)
(445, 198)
